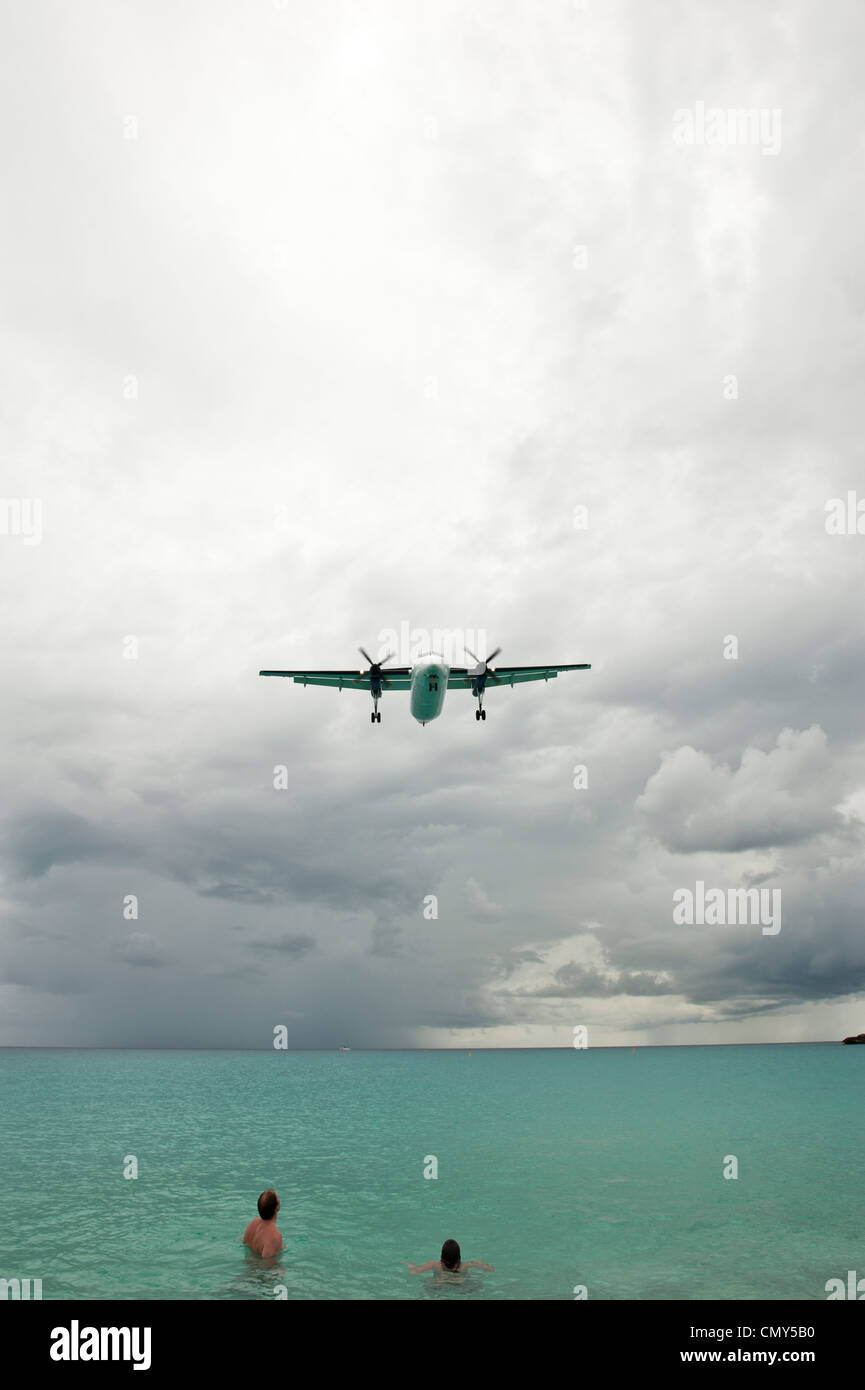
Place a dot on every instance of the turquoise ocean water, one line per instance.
(600, 1167)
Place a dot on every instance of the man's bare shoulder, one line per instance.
(271, 1243)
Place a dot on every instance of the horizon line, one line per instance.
(601, 1047)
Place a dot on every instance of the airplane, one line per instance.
(428, 679)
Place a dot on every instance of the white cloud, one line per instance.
(782, 797)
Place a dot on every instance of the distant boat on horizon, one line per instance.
(345, 1048)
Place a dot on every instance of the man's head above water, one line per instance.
(268, 1205)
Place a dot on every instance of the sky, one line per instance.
(323, 321)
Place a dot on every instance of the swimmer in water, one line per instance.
(451, 1262)
(261, 1234)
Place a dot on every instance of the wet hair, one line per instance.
(450, 1254)
(267, 1204)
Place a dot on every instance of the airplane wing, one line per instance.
(513, 675)
(392, 678)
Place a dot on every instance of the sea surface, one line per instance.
(600, 1168)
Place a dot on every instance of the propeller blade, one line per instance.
(470, 653)
(375, 666)
(492, 656)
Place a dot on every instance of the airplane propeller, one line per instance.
(483, 670)
(375, 672)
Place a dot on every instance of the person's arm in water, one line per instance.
(246, 1237)
(422, 1269)
(476, 1264)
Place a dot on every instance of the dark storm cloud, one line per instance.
(237, 893)
(274, 875)
(575, 981)
(287, 945)
(140, 949)
(819, 953)
(36, 840)
(387, 941)
(501, 969)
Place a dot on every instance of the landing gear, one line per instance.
(479, 690)
(375, 717)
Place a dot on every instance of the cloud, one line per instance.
(37, 840)
(387, 941)
(143, 950)
(479, 900)
(782, 797)
(287, 944)
(577, 981)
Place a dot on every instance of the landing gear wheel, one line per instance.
(372, 718)
(483, 714)
(477, 714)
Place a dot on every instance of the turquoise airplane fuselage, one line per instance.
(429, 685)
